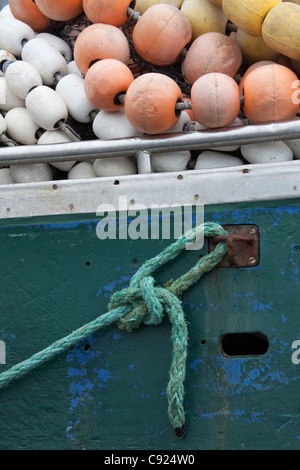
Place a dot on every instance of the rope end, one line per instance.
(180, 431)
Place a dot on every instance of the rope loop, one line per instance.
(143, 302)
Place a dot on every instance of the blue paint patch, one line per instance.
(256, 417)
(102, 374)
(248, 216)
(195, 363)
(73, 372)
(112, 285)
(257, 305)
(239, 377)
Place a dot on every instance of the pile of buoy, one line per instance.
(145, 67)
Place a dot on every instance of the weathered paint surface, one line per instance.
(109, 392)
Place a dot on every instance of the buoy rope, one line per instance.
(179, 106)
(143, 302)
(133, 15)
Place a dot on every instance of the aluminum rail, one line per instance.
(191, 140)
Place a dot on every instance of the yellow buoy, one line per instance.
(204, 17)
(217, 2)
(254, 48)
(142, 5)
(281, 29)
(248, 15)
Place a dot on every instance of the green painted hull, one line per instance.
(109, 391)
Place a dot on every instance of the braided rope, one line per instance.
(142, 302)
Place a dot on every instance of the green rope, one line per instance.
(142, 302)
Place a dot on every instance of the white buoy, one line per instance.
(5, 176)
(47, 108)
(59, 44)
(82, 170)
(183, 120)
(170, 161)
(22, 77)
(6, 12)
(234, 147)
(294, 145)
(14, 34)
(72, 68)
(114, 125)
(267, 152)
(50, 64)
(8, 100)
(225, 148)
(115, 166)
(71, 89)
(6, 140)
(31, 173)
(215, 159)
(3, 125)
(21, 127)
(4, 56)
(56, 137)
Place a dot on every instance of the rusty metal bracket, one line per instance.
(243, 246)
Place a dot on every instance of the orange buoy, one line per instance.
(28, 12)
(100, 41)
(104, 81)
(150, 103)
(212, 52)
(271, 93)
(215, 100)
(161, 34)
(60, 10)
(112, 12)
(252, 67)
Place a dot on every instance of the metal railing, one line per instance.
(190, 140)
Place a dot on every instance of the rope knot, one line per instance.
(152, 302)
(144, 304)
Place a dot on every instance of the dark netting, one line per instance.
(138, 64)
(69, 31)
